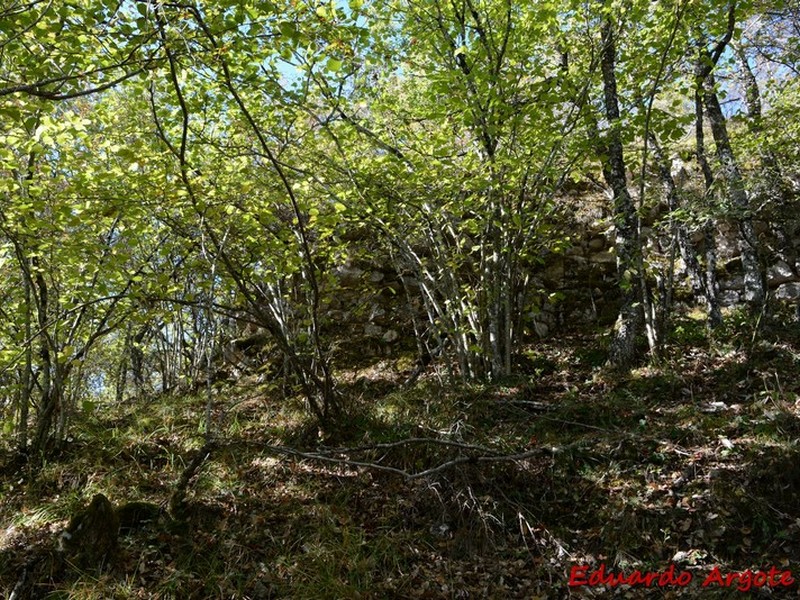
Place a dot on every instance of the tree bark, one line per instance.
(680, 233)
(748, 243)
(711, 287)
(768, 187)
(623, 345)
(27, 370)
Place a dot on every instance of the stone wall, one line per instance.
(370, 307)
(577, 286)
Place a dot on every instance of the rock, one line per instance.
(603, 258)
(262, 592)
(554, 272)
(545, 316)
(597, 243)
(586, 315)
(376, 277)
(580, 260)
(780, 273)
(541, 329)
(410, 282)
(391, 336)
(391, 289)
(348, 275)
(788, 291)
(90, 539)
(760, 227)
(373, 330)
(727, 243)
(733, 265)
(679, 172)
(732, 283)
(376, 312)
(729, 298)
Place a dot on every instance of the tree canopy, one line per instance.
(174, 171)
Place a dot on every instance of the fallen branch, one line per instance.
(487, 457)
(478, 455)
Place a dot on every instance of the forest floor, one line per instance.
(677, 468)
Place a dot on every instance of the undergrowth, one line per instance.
(692, 461)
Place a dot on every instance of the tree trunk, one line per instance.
(26, 376)
(752, 96)
(49, 400)
(135, 353)
(623, 345)
(121, 379)
(679, 231)
(768, 187)
(51, 404)
(711, 289)
(748, 244)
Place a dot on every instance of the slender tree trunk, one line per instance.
(27, 371)
(711, 288)
(748, 244)
(52, 400)
(679, 231)
(700, 138)
(137, 359)
(69, 402)
(623, 345)
(712, 284)
(752, 96)
(768, 186)
(121, 379)
(49, 396)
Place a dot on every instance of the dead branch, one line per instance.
(486, 456)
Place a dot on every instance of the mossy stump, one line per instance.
(90, 540)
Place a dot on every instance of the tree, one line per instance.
(76, 273)
(729, 167)
(628, 246)
(457, 161)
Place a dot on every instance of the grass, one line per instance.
(692, 461)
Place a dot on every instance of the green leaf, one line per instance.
(334, 65)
